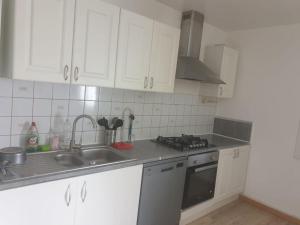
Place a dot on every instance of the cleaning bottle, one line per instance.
(32, 139)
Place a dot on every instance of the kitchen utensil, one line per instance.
(131, 119)
(110, 137)
(118, 123)
(11, 156)
(113, 122)
(104, 123)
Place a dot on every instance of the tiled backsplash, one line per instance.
(49, 105)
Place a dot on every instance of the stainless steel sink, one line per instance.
(68, 160)
(101, 156)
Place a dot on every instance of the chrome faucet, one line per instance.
(73, 145)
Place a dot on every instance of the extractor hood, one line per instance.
(189, 67)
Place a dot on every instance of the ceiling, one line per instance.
(232, 15)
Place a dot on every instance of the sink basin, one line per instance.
(101, 156)
(68, 160)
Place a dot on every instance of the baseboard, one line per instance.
(198, 211)
(275, 212)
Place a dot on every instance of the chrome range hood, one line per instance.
(189, 67)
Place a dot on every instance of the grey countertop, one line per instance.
(36, 170)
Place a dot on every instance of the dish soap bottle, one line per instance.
(32, 139)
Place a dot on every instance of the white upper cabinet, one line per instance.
(42, 34)
(95, 43)
(134, 51)
(223, 61)
(50, 203)
(88, 42)
(164, 58)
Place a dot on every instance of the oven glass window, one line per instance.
(199, 185)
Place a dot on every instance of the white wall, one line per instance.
(151, 9)
(268, 93)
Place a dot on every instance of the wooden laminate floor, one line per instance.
(239, 213)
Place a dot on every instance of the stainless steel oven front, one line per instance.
(200, 178)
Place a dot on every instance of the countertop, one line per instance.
(145, 151)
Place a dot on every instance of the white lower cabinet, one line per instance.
(109, 198)
(232, 172)
(47, 204)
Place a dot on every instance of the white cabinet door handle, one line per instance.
(221, 91)
(66, 71)
(83, 192)
(151, 82)
(68, 196)
(76, 73)
(146, 82)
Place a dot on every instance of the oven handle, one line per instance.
(205, 168)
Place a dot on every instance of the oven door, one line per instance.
(199, 184)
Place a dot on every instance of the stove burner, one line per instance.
(184, 143)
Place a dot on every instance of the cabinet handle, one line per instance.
(221, 91)
(66, 71)
(83, 192)
(68, 196)
(146, 82)
(76, 73)
(151, 82)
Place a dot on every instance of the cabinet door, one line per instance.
(239, 169)
(109, 197)
(164, 58)
(134, 51)
(43, 35)
(223, 61)
(223, 183)
(47, 204)
(228, 72)
(95, 43)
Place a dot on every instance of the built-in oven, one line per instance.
(200, 178)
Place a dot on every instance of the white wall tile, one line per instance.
(6, 87)
(157, 109)
(105, 94)
(116, 109)
(91, 107)
(43, 90)
(60, 108)
(104, 108)
(23, 89)
(43, 124)
(92, 93)
(117, 95)
(139, 97)
(148, 109)
(5, 106)
(4, 141)
(22, 107)
(76, 108)
(61, 91)
(128, 96)
(5, 125)
(138, 109)
(77, 92)
(42, 107)
(20, 125)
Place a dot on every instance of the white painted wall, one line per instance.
(268, 93)
(152, 9)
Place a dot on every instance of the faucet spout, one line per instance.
(72, 142)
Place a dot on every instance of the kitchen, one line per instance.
(99, 63)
